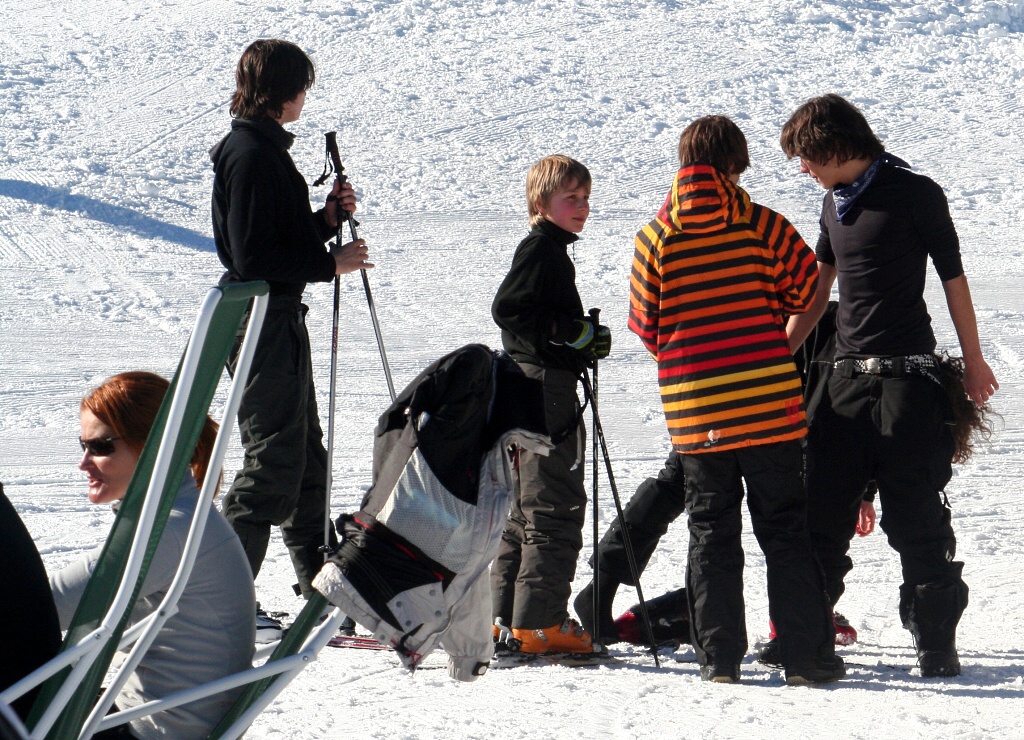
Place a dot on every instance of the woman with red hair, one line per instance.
(213, 633)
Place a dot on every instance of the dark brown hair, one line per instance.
(270, 73)
(826, 127)
(717, 141)
(969, 421)
(129, 402)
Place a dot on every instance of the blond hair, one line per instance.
(547, 177)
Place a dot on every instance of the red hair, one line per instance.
(129, 402)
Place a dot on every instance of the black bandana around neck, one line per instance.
(844, 197)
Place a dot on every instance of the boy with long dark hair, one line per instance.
(885, 415)
(264, 229)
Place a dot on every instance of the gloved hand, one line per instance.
(602, 344)
(594, 342)
(584, 332)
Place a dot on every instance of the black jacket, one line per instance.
(537, 303)
(263, 225)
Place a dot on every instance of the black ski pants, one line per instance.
(714, 575)
(656, 504)
(283, 475)
(891, 430)
(531, 577)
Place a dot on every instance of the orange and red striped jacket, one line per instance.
(714, 277)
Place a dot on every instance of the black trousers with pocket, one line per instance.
(714, 579)
(891, 430)
(532, 574)
(283, 476)
(657, 503)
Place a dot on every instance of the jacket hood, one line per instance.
(702, 199)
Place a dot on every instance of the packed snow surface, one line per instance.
(108, 109)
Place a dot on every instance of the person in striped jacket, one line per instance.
(714, 278)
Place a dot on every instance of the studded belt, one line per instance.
(911, 364)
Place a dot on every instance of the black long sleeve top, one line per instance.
(537, 302)
(263, 225)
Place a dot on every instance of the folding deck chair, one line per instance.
(67, 706)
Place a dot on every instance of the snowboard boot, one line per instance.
(670, 621)
(347, 628)
(846, 634)
(567, 637)
(939, 663)
(820, 670)
(931, 613)
(268, 628)
(504, 641)
(601, 624)
(771, 653)
(714, 673)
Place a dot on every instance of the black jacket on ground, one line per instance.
(537, 302)
(263, 225)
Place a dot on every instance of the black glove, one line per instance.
(602, 344)
(593, 341)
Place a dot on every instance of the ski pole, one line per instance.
(332, 395)
(332, 150)
(631, 559)
(594, 314)
(348, 625)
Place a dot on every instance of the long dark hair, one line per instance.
(270, 73)
(969, 421)
(129, 402)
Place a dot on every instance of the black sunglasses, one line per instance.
(98, 447)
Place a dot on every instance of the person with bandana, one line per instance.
(884, 415)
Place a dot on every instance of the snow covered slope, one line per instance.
(107, 110)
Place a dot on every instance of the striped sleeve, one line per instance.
(795, 269)
(645, 287)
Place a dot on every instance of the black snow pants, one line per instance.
(656, 504)
(283, 477)
(714, 579)
(891, 430)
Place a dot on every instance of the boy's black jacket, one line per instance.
(537, 303)
(263, 225)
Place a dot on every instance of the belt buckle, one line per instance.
(873, 365)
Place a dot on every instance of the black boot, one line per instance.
(601, 626)
(931, 613)
(819, 670)
(939, 663)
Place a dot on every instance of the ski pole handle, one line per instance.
(339, 172)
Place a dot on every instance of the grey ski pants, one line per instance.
(531, 578)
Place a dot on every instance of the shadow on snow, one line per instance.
(117, 216)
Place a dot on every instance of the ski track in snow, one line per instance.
(106, 116)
